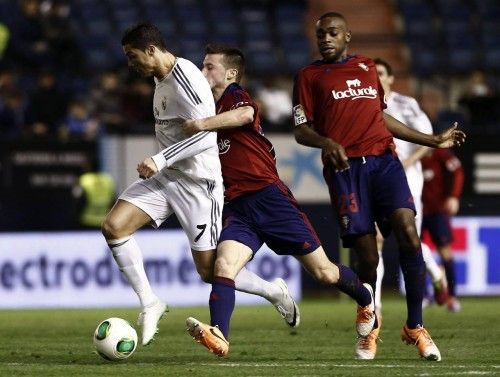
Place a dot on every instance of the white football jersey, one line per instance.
(406, 110)
(182, 94)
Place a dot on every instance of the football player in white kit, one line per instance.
(183, 178)
(407, 110)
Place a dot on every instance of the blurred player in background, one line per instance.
(407, 110)
(183, 178)
(338, 107)
(259, 206)
(444, 180)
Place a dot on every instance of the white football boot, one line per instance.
(148, 320)
(287, 307)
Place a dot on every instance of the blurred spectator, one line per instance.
(136, 106)
(106, 103)
(47, 106)
(480, 101)
(8, 80)
(60, 36)
(276, 103)
(432, 100)
(446, 117)
(12, 112)
(78, 123)
(28, 47)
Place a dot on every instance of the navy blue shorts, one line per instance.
(368, 192)
(439, 227)
(271, 215)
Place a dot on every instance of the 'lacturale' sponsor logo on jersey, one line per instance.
(224, 146)
(355, 91)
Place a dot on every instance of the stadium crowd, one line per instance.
(50, 87)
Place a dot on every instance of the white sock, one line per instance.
(378, 285)
(128, 256)
(248, 282)
(430, 263)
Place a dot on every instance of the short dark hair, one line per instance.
(233, 57)
(333, 15)
(387, 66)
(143, 35)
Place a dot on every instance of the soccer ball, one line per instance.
(115, 339)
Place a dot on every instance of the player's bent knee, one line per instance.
(108, 229)
(409, 231)
(223, 268)
(412, 239)
(112, 229)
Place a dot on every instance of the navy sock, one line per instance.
(413, 268)
(449, 269)
(350, 284)
(222, 303)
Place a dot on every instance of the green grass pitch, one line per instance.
(59, 343)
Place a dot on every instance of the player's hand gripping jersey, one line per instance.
(184, 94)
(342, 101)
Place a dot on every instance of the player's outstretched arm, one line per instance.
(229, 119)
(452, 137)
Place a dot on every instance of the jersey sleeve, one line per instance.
(302, 100)
(418, 120)
(240, 98)
(184, 149)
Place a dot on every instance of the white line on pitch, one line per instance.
(258, 365)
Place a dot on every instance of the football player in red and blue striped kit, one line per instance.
(338, 107)
(259, 207)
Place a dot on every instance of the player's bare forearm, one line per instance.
(332, 153)
(403, 132)
(452, 137)
(229, 119)
(305, 135)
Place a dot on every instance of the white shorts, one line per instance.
(198, 206)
